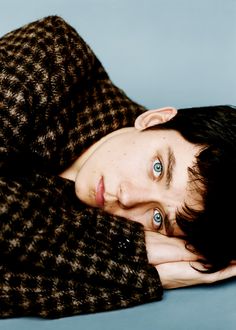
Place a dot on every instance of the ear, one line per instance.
(154, 117)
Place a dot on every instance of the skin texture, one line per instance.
(139, 174)
(125, 174)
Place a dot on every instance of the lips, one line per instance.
(100, 193)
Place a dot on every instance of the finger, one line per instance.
(163, 249)
(164, 254)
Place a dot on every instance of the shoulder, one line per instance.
(49, 24)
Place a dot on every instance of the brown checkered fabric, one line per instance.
(59, 257)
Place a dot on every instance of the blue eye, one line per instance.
(157, 168)
(157, 218)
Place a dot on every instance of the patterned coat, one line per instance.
(59, 257)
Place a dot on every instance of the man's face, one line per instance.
(141, 175)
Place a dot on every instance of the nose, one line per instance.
(130, 195)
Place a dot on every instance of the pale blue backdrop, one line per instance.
(161, 52)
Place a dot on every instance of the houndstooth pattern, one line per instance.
(47, 68)
(59, 257)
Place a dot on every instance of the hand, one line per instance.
(181, 274)
(163, 249)
(173, 262)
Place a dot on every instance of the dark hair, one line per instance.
(212, 232)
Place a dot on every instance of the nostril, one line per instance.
(124, 196)
(121, 197)
(122, 206)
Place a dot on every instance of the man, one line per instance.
(168, 178)
(138, 174)
(60, 114)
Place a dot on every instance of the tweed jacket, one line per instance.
(59, 257)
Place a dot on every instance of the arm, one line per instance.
(177, 266)
(23, 294)
(55, 96)
(59, 258)
(51, 87)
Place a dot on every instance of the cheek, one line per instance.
(86, 173)
(118, 165)
(142, 216)
(133, 164)
(115, 163)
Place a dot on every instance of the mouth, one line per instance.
(100, 193)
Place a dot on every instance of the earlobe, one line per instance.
(154, 117)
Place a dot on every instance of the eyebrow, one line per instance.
(171, 161)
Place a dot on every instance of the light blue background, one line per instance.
(161, 52)
(197, 308)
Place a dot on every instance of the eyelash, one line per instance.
(160, 222)
(156, 174)
(158, 164)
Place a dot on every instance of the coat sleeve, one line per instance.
(55, 96)
(61, 258)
